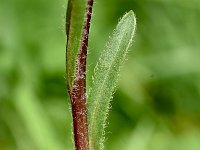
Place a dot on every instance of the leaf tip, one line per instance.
(132, 15)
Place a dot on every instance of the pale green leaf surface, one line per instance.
(74, 26)
(105, 78)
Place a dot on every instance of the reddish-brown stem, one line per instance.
(78, 91)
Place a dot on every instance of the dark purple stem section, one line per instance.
(78, 92)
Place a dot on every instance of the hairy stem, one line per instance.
(78, 90)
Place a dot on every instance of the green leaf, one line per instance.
(105, 78)
(74, 29)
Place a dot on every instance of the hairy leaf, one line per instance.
(74, 29)
(105, 78)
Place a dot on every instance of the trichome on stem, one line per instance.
(77, 91)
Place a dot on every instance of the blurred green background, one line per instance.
(157, 104)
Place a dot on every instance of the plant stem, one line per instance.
(78, 91)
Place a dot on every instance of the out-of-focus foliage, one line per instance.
(157, 105)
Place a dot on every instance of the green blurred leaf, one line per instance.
(105, 78)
